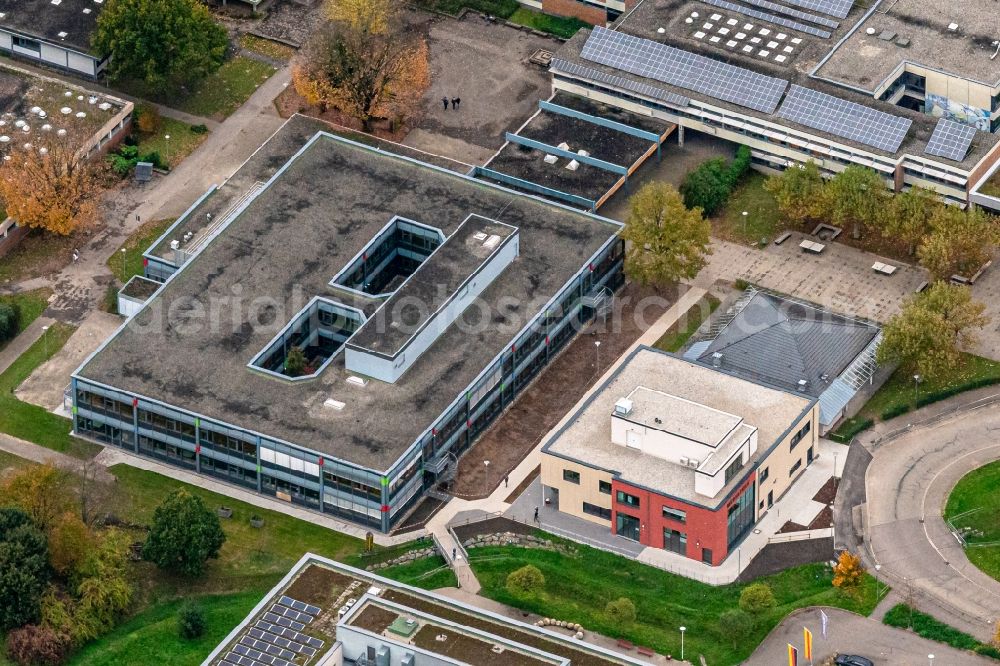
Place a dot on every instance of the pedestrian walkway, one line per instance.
(44, 456)
(23, 341)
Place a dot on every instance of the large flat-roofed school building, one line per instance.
(423, 301)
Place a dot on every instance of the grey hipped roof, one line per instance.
(781, 342)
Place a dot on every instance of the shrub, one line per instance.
(736, 624)
(621, 612)
(707, 186)
(154, 158)
(32, 645)
(148, 120)
(191, 621)
(849, 429)
(199, 129)
(894, 411)
(10, 321)
(757, 599)
(525, 581)
(740, 166)
(930, 628)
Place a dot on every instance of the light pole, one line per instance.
(930, 659)
(878, 567)
(486, 463)
(597, 347)
(683, 629)
(45, 340)
(916, 384)
(745, 214)
(124, 277)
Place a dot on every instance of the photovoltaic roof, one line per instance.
(838, 8)
(575, 69)
(644, 57)
(950, 140)
(845, 119)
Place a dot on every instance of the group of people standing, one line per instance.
(455, 101)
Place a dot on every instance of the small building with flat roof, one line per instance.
(680, 456)
(344, 326)
(56, 34)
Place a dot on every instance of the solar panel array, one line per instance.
(788, 11)
(574, 69)
(838, 8)
(844, 119)
(275, 640)
(691, 71)
(770, 18)
(950, 140)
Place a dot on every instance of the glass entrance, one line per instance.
(627, 526)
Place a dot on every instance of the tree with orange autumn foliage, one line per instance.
(365, 62)
(50, 186)
(848, 571)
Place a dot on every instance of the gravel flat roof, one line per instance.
(587, 437)
(47, 20)
(283, 249)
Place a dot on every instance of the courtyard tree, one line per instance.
(756, 599)
(848, 571)
(798, 191)
(959, 242)
(855, 198)
(24, 569)
(907, 219)
(365, 62)
(707, 186)
(666, 240)
(162, 43)
(184, 534)
(736, 624)
(526, 581)
(928, 335)
(51, 186)
(295, 362)
(70, 543)
(621, 612)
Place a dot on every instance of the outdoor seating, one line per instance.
(811, 246)
(782, 238)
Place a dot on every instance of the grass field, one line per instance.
(30, 305)
(682, 330)
(134, 246)
(578, 586)
(31, 422)
(763, 222)
(227, 89)
(556, 25)
(181, 143)
(974, 507)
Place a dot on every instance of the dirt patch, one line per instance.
(318, 586)
(827, 493)
(776, 557)
(374, 619)
(521, 487)
(491, 526)
(424, 511)
(560, 386)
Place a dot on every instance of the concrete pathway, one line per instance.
(853, 634)
(907, 484)
(44, 456)
(25, 339)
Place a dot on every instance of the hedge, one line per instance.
(933, 629)
(850, 428)
(894, 411)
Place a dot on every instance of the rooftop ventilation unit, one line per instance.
(685, 461)
(802, 385)
(694, 464)
(952, 27)
(330, 403)
(717, 360)
(357, 381)
(623, 407)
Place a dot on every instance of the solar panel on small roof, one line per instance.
(575, 69)
(951, 140)
(691, 71)
(845, 119)
(838, 8)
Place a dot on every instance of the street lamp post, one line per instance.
(124, 277)
(45, 340)
(745, 215)
(597, 347)
(486, 463)
(683, 629)
(930, 659)
(878, 567)
(916, 384)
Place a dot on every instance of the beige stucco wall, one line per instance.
(781, 459)
(571, 495)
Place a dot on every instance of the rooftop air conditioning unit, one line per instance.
(694, 464)
(623, 407)
(717, 360)
(802, 385)
(175, 244)
(357, 381)
(685, 461)
(330, 403)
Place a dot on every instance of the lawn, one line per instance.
(578, 586)
(31, 422)
(219, 95)
(974, 505)
(37, 254)
(267, 47)
(682, 330)
(556, 25)
(134, 246)
(30, 304)
(181, 142)
(899, 391)
(763, 221)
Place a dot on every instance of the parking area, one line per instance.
(486, 65)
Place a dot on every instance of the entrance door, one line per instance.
(809, 456)
(770, 499)
(706, 555)
(627, 526)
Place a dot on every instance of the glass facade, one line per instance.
(369, 497)
(740, 516)
(627, 526)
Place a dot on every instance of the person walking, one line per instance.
(455, 102)
(536, 514)
(506, 481)
(454, 553)
(444, 100)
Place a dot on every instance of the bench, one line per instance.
(885, 269)
(959, 279)
(782, 238)
(646, 652)
(921, 286)
(810, 246)
(624, 644)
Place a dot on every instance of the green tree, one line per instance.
(9, 321)
(798, 190)
(929, 333)
(191, 621)
(757, 599)
(104, 589)
(908, 217)
(707, 186)
(164, 43)
(526, 581)
(960, 242)
(295, 362)
(855, 198)
(736, 624)
(184, 534)
(621, 612)
(666, 240)
(24, 569)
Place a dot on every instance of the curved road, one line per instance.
(908, 483)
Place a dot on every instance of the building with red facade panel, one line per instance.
(679, 456)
